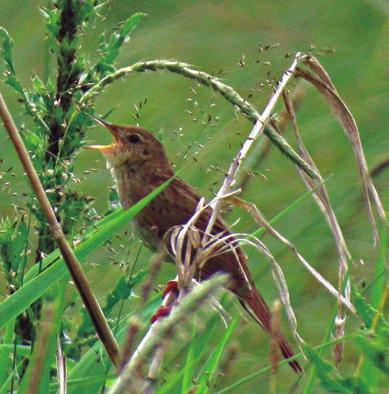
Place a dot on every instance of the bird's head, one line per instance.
(131, 145)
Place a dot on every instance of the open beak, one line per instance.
(114, 130)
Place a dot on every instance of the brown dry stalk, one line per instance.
(46, 326)
(274, 354)
(261, 220)
(258, 129)
(262, 148)
(61, 368)
(133, 329)
(155, 266)
(322, 199)
(319, 78)
(74, 267)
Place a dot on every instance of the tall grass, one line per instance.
(34, 332)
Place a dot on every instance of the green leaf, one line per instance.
(21, 350)
(122, 291)
(7, 54)
(44, 349)
(376, 349)
(110, 49)
(198, 345)
(364, 310)
(207, 375)
(7, 51)
(4, 389)
(188, 368)
(94, 361)
(5, 359)
(38, 285)
(379, 283)
(323, 368)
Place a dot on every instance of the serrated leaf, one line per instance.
(110, 49)
(364, 310)
(376, 349)
(7, 51)
(122, 290)
(332, 384)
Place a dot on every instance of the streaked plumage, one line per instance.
(139, 164)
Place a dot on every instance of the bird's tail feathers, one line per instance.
(260, 312)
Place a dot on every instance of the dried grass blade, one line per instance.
(260, 219)
(61, 368)
(321, 197)
(283, 290)
(320, 79)
(262, 122)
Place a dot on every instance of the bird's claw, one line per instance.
(171, 286)
(163, 311)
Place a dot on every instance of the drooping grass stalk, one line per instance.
(262, 148)
(259, 127)
(318, 77)
(322, 199)
(208, 80)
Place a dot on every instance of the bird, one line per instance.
(139, 164)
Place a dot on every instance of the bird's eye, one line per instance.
(133, 138)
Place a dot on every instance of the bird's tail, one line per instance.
(258, 309)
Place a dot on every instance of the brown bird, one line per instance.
(139, 164)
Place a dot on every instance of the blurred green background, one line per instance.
(225, 37)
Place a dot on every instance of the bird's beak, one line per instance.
(114, 130)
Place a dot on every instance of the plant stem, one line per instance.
(208, 80)
(164, 329)
(72, 263)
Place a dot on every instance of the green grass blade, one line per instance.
(263, 371)
(21, 350)
(83, 383)
(288, 209)
(188, 370)
(368, 372)
(378, 286)
(199, 345)
(207, 375)
(4, 389)
(4, 352)
(93, 361)
(311, 380)
(56, 255)
(36, 287)
(44, 349)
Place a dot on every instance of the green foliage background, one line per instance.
(216, 36)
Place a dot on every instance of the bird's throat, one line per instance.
(136, 181)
